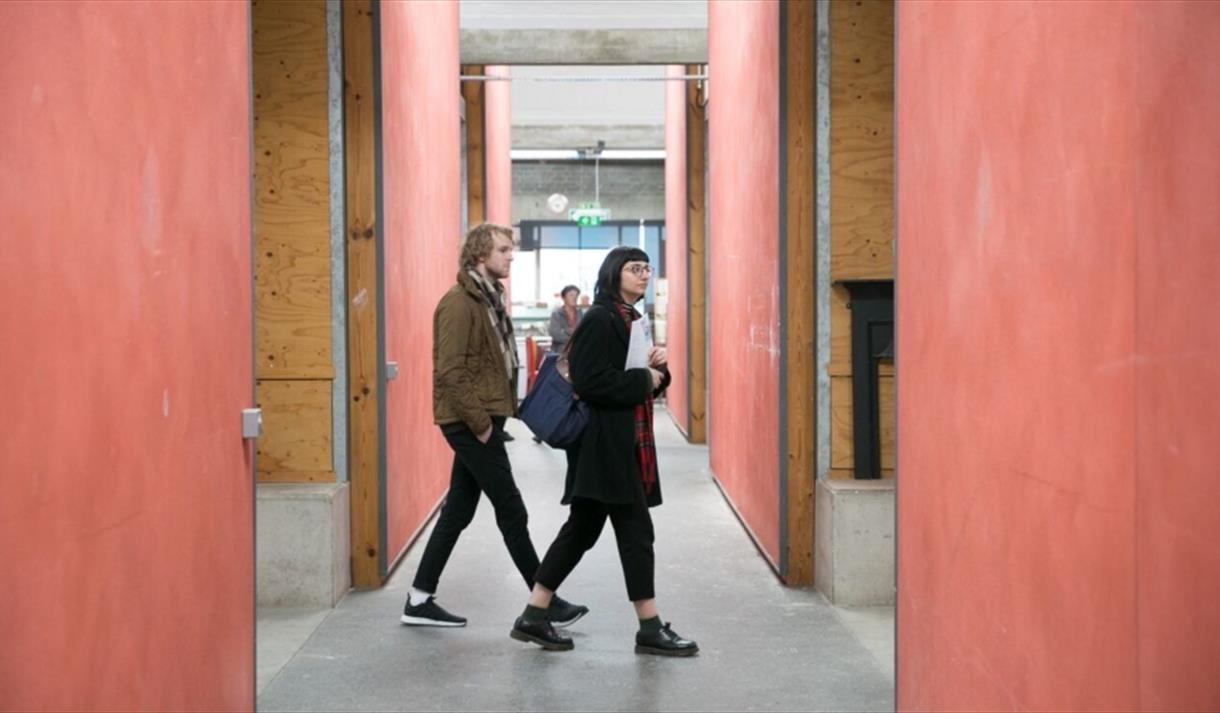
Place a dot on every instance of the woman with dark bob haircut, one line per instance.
(612, 472)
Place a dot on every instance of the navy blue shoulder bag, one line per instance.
(551, 409)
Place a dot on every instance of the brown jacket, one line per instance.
(469, 382)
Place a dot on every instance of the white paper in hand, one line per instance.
(639, 344)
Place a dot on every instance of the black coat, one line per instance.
(604, 466)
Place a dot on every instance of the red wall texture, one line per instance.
(743, 280)
(422, 179)
(1177, 355)
(126, 538)
(1058, 167)
(677, 338)
(497, 127)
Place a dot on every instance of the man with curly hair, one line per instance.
(474, 368)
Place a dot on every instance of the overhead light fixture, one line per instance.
(593, 152)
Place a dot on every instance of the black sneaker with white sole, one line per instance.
(563, 613)
(430, 614)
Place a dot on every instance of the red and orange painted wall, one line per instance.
(497, 127)
(1058, 167)
(743, 262)
(676, 250)
(1056, 370)
(422, 208)
(422, 228)
(126, 525)
(760, 440)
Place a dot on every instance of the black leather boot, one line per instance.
(541, 633)
(664, 642)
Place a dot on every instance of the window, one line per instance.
(557, 253)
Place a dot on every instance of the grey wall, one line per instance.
(587, 14)
(338, 238)
(822, 178)
(630, 190)
(583, 102)
(573, 114)
(521, 32)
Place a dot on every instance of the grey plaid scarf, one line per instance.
(493, 295)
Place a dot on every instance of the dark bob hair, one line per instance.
(569, 288)
(609, 277)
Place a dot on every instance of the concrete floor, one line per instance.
(764, 646)
(280, 634)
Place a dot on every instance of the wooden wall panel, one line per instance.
(885, 402)
(476, 165)
(861, 198)
(840, 422)
(696, 177)
(841, 429)
(296, 441)
(840, 332)
(799, 266)
(861, 140)
(364, 386)
(292, 185)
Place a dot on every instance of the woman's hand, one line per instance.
(657, 378)
(657, 356)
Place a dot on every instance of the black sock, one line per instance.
(533, 613)
(653, 624)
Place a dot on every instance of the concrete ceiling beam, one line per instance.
(579, 46)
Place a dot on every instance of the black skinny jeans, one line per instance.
(478, 468)
(633, 531)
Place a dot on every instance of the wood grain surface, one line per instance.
(364, 389)
(292, 191)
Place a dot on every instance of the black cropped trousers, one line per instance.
(633, 531)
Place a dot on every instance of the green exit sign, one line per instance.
(589, 214)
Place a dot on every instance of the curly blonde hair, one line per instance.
(480, 241)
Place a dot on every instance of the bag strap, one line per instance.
(563, 364)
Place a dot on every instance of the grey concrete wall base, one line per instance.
(853, 562)
(302, 546)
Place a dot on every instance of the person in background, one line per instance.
(564, 318)
(612, 473)
(474, 367)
